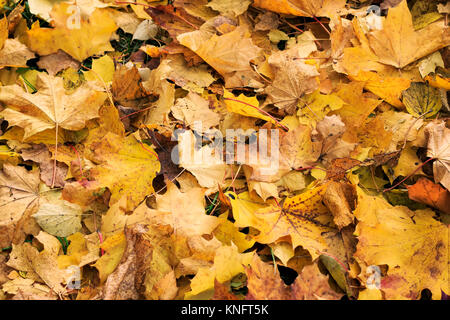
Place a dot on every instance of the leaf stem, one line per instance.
(408, 176)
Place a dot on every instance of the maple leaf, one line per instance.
(127, 88)
(246, 106)
(126, 166)
(12, 52)
(227, 54)
(76, 40)
(228, 233)
(311, 284)
(306, 8)
(411, 243)
(41, 265)
(50, 107)
(294, 76)
(228, 263)
(175, 21)
(398, 44)
(194, 107)
(19, 198)
(303, 218)
(170, 210)
(232, 7)
(338, 88)
(430, 193)
(28, 289)
(264, 283)
(439, 148)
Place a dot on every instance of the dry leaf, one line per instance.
(430, 193)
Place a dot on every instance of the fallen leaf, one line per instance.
(311, 284)
(41, 155)
(170, 210)
(127, 88)
(75, 40)
(127, 166)
(403, 240)
(421, 100)
(50, 107)
(227, 54)
(438, 148)
(430, 193)
(306, 8)
(40, 265)
(19, 198)
(303, 218)
(340, 198)
(264, 282)
(55, 62)
(59, 217)
(231, 7)
(398, 44)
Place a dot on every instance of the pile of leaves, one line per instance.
(94, 95)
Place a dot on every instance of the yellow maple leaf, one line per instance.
(79, 38)
(171, 210)
(387, 88)
(228, 262)
(227, 53)
(412, 243)
(228, 233)
(398, 44)
(303, 218)
(127, 167)
(41, 265)
(247, 106)
(305, 8)
(50, 107)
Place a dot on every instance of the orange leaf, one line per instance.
(430, 193)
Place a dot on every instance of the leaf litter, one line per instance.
(100, 113)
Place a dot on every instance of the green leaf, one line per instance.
(422, 100)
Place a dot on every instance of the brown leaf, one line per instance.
(56, 62)
(175, 21)
(293, 79)
(127, 88)
(120, 284)
(340, 199)
(339, 167)
(39, 153)
(222, 291)
(311, 284)
(439, 148)
(386, 4)
(264, 282)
